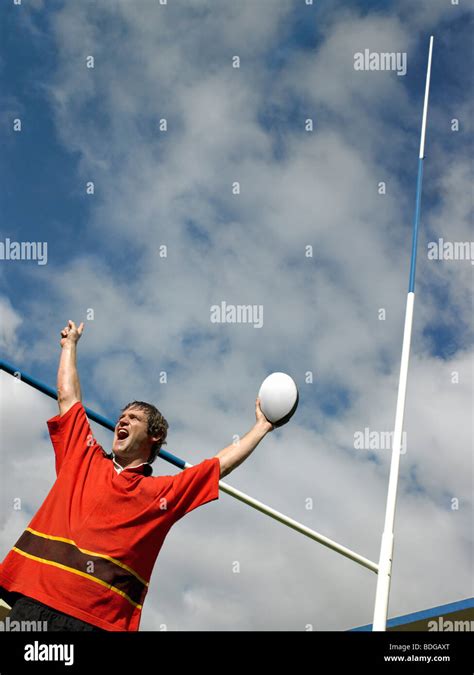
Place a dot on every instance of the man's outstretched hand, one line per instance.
(70, 334)
(261, 419)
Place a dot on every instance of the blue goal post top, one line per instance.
(423, 615)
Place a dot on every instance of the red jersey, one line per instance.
(90, 549)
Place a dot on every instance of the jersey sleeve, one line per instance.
(195, 486)
(70, 434)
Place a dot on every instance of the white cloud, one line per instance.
(9, 325)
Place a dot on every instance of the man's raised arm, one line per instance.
(233, 455)
(69, 388)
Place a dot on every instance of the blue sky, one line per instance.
(297, 189)
(46, 167)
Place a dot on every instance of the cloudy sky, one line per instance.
(309, 235)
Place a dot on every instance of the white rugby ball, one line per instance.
(278, 398)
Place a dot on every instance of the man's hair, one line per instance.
(157, 425)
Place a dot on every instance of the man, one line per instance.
(86, 558)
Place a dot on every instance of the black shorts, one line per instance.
(28, 609)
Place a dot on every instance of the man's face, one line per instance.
(131, 438)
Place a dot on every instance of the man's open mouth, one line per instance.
(122, 434)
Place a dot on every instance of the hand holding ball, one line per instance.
(278, 398)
